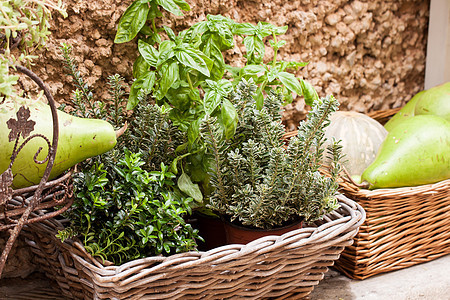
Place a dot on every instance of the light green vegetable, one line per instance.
(415, 152)
(78, 140)
(435, 101)
(406, 112)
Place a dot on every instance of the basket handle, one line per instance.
(51, 158)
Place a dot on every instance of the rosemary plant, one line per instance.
(258, 180)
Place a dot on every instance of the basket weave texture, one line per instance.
(273, 266)
(404, 226)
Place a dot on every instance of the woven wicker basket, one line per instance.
(404, 226)
(274, 266)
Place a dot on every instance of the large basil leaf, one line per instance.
(186, 185)
(182, 5)
(218, 69)
(211, 101)
(131, 22)
(215, 92)
(244, 29)
(192, 58)
(170, 6)
(193, 131)
(146, 81)
(290, 82)
(229, 118)
(169, 75)
(148, 53)
(140, 67)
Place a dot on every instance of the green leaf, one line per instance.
(283, 65)
(180, 97)
(290, 82)
(131, 22)
(215, 92)
(170, 33)
(278, 44)
(183, 5)
(148, 53)
(214, 53)
(191, 189)
(169, 75)
(173, 166)
(171, 6)
(194, 59)
(244, 29)
(252, 69)
(193, 131)
(273, 74)
(146, 82)
(154, 11)
(259, 97)
(234, 71)
(211, 101)
(279, 30)
(229, 118)
(165, 56)
(309, 93)
(249, 43)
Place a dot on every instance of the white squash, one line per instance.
(361, 137)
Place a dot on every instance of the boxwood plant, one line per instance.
(127, 204)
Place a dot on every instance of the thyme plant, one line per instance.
(257, 179)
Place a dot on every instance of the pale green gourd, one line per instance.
(78, 140)
(415, 152)
(406, 112)
(435, 101)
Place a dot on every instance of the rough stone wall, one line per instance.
(369, 54)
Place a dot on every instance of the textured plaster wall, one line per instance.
(369, 54)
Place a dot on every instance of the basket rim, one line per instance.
(431, 188)
(341, 224)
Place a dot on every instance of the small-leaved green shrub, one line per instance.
(127, 203)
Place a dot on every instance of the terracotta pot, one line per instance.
(211, 229)
(236, 234)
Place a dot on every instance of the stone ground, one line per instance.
(427, 281)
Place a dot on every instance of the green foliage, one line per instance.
(259, 181)
(187, 71)
(189, 62)
(24, 24)
(127, 204)
(124, 212)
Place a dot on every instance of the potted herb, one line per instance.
(187, 71)
(258, 181)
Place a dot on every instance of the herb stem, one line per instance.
(275, 50)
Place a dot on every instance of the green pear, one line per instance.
(415, 152)
(79, 139)
(406, 112)
(436, 101)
